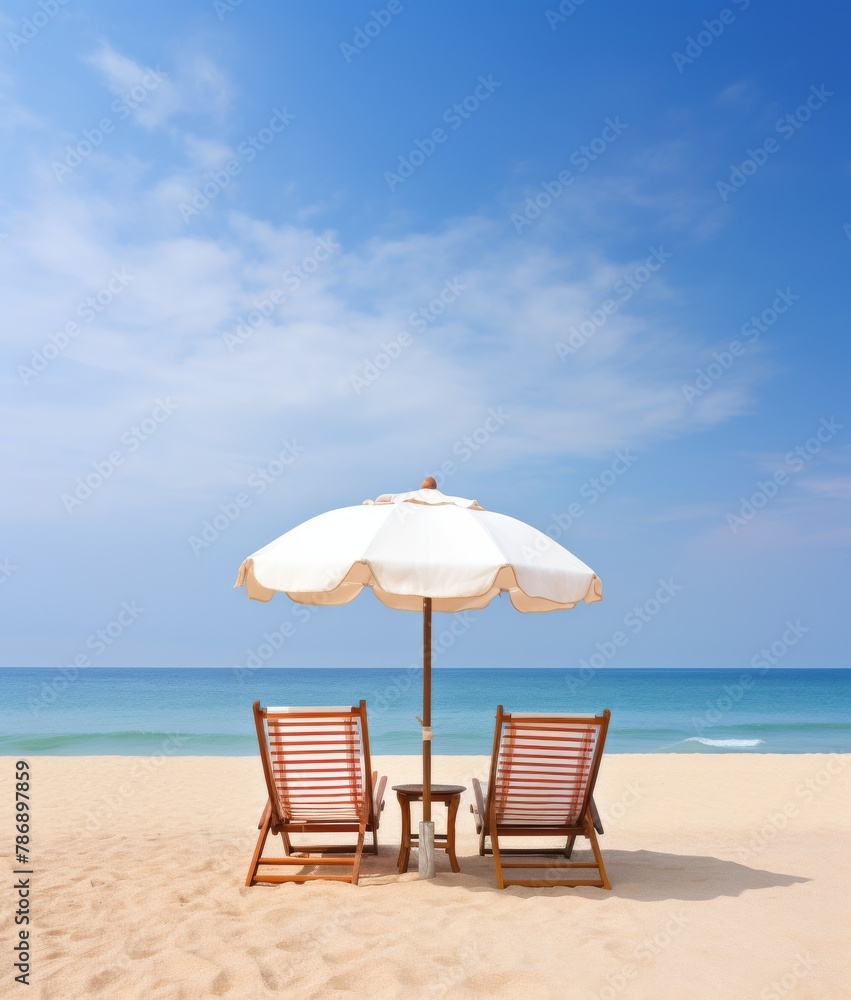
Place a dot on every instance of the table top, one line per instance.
(435, 789)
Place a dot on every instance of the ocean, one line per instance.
(208, 711)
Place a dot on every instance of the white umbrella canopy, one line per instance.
(409, 546)
(420, 551)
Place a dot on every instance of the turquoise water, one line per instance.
(208, 711)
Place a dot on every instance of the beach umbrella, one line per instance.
(420, 551)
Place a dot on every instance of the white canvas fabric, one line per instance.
(408, 546)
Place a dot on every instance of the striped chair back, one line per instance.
(316, 763)
(546, 767)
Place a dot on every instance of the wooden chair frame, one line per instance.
(277, 817)
(586, 822)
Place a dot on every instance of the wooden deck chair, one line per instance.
(542, 776)
(317, 769)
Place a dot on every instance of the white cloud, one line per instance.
(664, 157)
(742, 92)
(121, 72)
(13, 113)
(155, 94)
(494, 345)
(830, 487)
(206, 153)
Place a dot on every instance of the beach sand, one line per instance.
(730, 878)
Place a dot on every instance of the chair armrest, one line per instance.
(267, 809)
(595, 816)
(378, 786)
(478, 808)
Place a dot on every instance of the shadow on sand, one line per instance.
(648, 876)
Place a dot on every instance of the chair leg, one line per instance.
(500, 881)
(358, 851)
(568, 847)
(494, 835)
(288, 847)
(375, 841)
(598, 857)
(266, 825)
(451, 813)
(405, 846)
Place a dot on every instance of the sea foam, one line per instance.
(723, 743)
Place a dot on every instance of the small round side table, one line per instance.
(451, 795)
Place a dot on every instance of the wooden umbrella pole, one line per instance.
(425, 854)
(426, 709)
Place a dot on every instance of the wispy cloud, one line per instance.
(14, 114)
(492, 343)
(166, 332)
(743, 93)
(155, 94)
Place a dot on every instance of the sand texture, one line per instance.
(730, 879)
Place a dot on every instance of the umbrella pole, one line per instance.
(426, 708)
(426, 840)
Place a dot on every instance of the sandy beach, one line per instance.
(730, 878)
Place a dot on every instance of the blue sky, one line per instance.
(262, 260)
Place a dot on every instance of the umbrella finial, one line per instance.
(429, 483)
